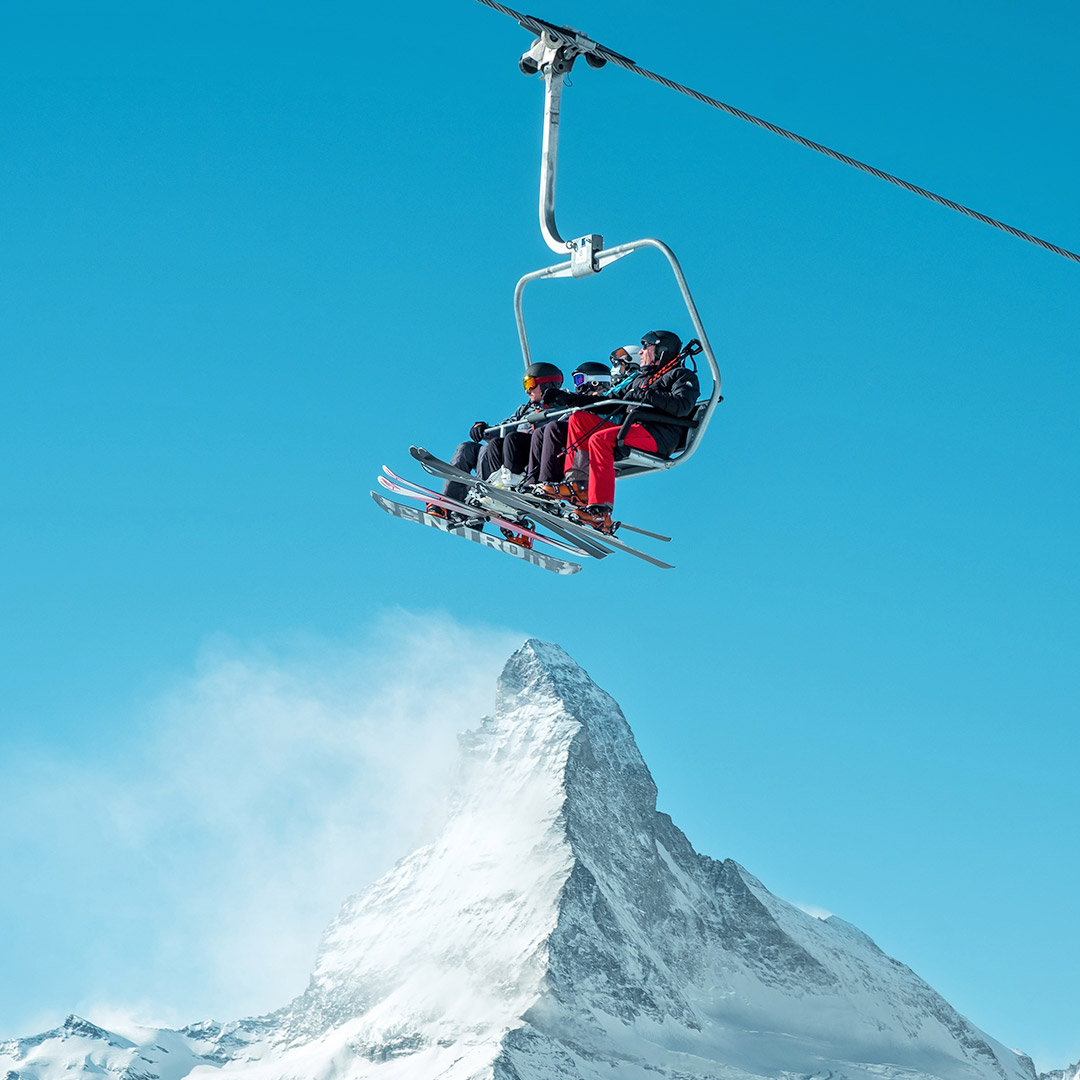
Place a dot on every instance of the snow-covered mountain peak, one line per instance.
(550, 713)
(560, 928)
(540, 691)
(541, 673)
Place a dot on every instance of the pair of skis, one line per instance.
(511, 510)
(498, 543)
(399, 486)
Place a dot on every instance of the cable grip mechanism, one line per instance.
(556, 49)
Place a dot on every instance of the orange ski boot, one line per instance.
(562, 490)
(598, 516)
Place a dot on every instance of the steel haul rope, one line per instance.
(538, 27)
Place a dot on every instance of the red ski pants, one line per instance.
(597, 437)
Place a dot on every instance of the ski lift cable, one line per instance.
(592, 48)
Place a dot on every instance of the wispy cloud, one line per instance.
(268, 786)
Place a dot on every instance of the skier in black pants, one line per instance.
(548, 448)
(542, 383)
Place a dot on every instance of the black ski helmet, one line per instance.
(538, 374)
(591, 372)
(668, 345)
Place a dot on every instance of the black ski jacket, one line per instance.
(675, 392)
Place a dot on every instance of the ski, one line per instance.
(572, 531)
(400, 486)
(537, 558)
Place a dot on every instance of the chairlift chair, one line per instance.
(552, 55)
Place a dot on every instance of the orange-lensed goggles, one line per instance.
(537, 380)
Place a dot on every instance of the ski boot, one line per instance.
(597, 516)
(504, 478)
(561, 491)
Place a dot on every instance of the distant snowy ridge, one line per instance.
(80, 1048)
(560, 928)
(1071, 1073)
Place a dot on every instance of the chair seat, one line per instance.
(642, 461)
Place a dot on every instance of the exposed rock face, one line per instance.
(561, 928)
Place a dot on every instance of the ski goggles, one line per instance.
(538, 380)
(580, 379)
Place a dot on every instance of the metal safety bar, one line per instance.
(545, 416)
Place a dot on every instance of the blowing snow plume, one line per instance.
(560, 928)
(230, 810)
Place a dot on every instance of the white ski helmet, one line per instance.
(625, 360)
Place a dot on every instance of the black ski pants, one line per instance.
(511, 450)
(466, 457)
(514, 451)
(546, 452)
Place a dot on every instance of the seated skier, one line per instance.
(663, 384)
(510, 449)
(548, 447)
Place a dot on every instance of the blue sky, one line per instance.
(250, 255)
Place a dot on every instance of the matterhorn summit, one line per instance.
(560, 928)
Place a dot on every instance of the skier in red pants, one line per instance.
(662, 384)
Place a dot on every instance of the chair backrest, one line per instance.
(691, 432)
(638, 462)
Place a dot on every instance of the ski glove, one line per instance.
(476, 432)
